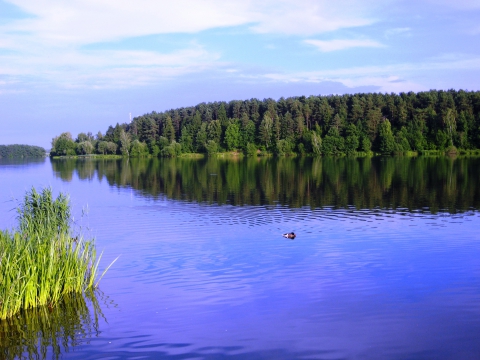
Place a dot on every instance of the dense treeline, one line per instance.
(414, 183)
(321, 125)
(21, 151)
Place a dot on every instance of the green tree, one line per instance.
(352, 140)
(211, 147)
(138, 149)
(366, 144)
(222, 115)
(214, 131)
(401, 139)
(201, 138)
(232, 136)
(247, 134)
(168, 129)
(316, 143)
(251, 149)
(63, 145)
(449, 124)
(387, 141)
(124, 140)
(186, 140)
(333, 143)
(111, 147)
(284, 147)
(85, 148)
(266, 130)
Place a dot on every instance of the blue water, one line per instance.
(206, 281)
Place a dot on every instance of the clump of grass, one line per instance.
(41, 261)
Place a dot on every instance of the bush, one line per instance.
(212, 147)
(251, 149)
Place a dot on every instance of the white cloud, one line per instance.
(87, 21)
(341, 44)
(389, 78)
(49, 45)
(308, 17)
(73, 69)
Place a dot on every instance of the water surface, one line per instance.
(385, 265)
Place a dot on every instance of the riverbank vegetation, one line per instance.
(359, 124)
(41, 261)
(21, 151)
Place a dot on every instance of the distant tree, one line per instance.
(232, 136)
(168, 129)
(222, 115)
(214, 131)
(251, 149)
(401, 140)
(266, 130)
(352, 140)
(212, 147)
(365, 144)
(21, 151)
(418, 121)
(186, 140)
(387, 141)
(333, 143)
(138, 149)
(201, 138)
(316, 143)
(111, 147)
(124, 140)
(247, 134)
(284, 147)
(85, 148)
(63, 145)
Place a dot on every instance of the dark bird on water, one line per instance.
(290, 235)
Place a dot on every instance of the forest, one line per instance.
(359, 124)
(21, 151)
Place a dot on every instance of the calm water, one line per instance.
(386, 264)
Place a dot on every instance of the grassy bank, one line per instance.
(41, 261)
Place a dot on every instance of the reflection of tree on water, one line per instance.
(437, 184)
(45, 332)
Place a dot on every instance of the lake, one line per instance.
(385, 265)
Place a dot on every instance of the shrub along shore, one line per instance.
(41, 261)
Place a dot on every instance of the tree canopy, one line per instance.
(21, 151)
(319, 125)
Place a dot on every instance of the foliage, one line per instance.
(41, 261)
(138, 149)
(232, 136)
(63, 145)
(431, 120)
(284, 147)
(21, 151)
(387, 141)
(251, 149)
(212, 147)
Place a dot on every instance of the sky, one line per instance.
(82, 65)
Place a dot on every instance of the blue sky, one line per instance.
(82, 65)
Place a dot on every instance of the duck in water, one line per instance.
(290, 235)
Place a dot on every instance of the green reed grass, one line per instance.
(41, 262)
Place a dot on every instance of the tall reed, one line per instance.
(42, 261)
